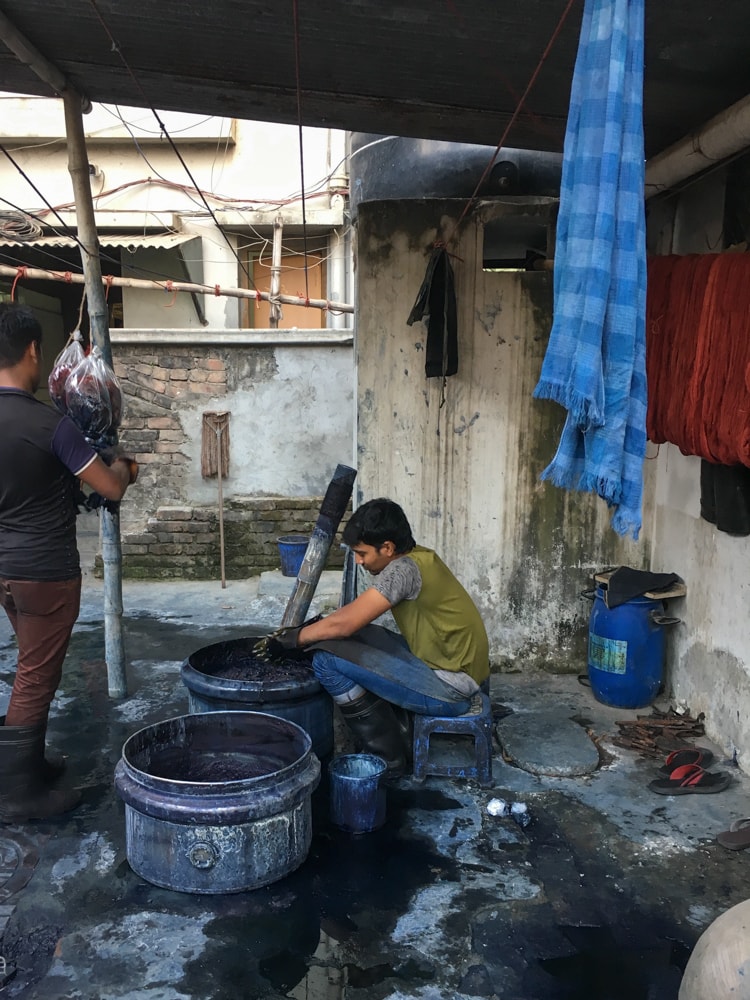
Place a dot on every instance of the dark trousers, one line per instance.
(42, 614)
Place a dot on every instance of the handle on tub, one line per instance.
(589, 594)
(658, 619)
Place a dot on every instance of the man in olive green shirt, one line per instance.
(434, 667)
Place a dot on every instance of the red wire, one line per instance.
(20, 273)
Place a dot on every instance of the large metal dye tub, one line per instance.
(228, 676)
(218, 802)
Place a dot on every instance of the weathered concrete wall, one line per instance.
(708, 655)
(467, 473)
(291, 423)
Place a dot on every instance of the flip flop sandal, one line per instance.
(678, 758)
(690, 779)
(737, 837)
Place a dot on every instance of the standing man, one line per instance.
(42, 456)
(435, 665)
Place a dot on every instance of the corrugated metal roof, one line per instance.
(127, 241)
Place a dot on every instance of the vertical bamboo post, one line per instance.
(78, 167)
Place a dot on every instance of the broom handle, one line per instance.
(219, 431)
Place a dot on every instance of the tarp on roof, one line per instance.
(128, 241)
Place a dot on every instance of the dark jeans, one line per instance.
(386, 667)
(42, 614)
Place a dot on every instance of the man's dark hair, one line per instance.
(19, 327)
(379, 521)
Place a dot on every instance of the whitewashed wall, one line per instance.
(292, 418)
(248, 172)
(251, 161)
(467, 473)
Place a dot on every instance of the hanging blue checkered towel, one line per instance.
(595, 364)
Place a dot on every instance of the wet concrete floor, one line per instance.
(601, 897)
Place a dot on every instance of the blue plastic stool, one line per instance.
(477, 723)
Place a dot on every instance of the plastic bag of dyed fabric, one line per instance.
(69, 358)
(94, 399)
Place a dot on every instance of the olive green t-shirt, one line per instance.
(435, 614)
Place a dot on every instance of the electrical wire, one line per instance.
(301, 144)
(18, 225)
(57, 215)
(163, 129)
(47, 252)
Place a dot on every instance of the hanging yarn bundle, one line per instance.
(698, 355)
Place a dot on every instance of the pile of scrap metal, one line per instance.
(659, 733)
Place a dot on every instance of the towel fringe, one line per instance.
(626, 522)
(583, 411)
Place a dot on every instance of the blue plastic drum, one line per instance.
(626, 651)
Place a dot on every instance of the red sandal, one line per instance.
(690, 755)
(689, 779)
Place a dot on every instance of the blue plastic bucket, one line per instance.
(626, 651)
(292, 550)
(357, 793)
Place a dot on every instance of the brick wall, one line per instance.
(166, 533)
(184, 542)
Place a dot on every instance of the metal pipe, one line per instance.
(274, 313)
(337, 276)
(723, 136)
(332, 509)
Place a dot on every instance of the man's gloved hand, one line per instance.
(283, 643)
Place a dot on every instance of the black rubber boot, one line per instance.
(54, 765)
(24, 790)
(376, 728)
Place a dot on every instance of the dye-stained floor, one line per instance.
(601, 897)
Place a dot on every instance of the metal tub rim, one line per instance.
(207, 683)
(229, 801)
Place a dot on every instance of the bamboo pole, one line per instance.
(78, 167)
(45, 274)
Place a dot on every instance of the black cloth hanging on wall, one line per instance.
(437, 301)
(725, 497)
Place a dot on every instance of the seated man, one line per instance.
(435, 665)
